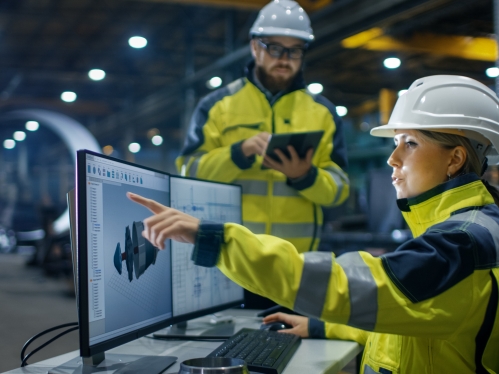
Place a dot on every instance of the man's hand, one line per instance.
(256, 145)
(299, 323)
(294, 167)
(166, 223)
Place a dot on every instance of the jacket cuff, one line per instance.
(238, 157)
(304, 182)
(316, 329)
(209, 240)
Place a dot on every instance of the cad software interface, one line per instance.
(129, 280)
(194, 287)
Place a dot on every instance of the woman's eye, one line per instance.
(411, 144)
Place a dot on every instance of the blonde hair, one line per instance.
(472, 163)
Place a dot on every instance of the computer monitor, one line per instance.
(199, 290)
(126, 287)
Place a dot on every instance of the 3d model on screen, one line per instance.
(139, 253)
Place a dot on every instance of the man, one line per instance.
(231, 127)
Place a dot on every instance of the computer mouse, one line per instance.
(275, 326)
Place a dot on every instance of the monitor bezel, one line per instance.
(87, 350)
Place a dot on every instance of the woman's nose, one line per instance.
(393, 160)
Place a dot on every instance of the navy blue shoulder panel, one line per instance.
(339, 154)
(443, 256)
(195, 137)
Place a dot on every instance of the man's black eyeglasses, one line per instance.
(277, 50)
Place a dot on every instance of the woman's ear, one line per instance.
(457, 159)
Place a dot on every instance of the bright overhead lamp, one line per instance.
(19, 136)
(492, 72)
(32, 125)
(108, 149)
(96, 74)
(401, 92)
(137, 42)
(68, 96)
(134, 147)
(341, 110)
(315, 88)
(214, 82)
(157, 140)
(392, 62)
(9, 143)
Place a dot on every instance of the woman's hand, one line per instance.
(166, 223)
(299, 323)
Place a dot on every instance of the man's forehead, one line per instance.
(286, 41)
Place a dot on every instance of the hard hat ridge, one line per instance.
(451, 104)
(283, 18)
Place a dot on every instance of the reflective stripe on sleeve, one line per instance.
(362, 289)
(255, 227)
(483, 220)
(253, 187)
(340, 179)
(311, 296)
(193, 170)
(293, 230)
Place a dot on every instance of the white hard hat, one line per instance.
(283, 18)
(450, 104)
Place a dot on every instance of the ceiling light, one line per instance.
(9, 144)
(214, 82)
(134, 147)
(96, 74)
(19, 136)
(32, 125)
(315, 88)
(157, 140)
(341, 110)
(108, 149)
(401, 92)
(391, 63)
(68, 96)
(492, 72)
(137, 42)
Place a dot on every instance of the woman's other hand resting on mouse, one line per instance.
(299, 323)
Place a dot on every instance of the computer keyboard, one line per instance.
(264, 351)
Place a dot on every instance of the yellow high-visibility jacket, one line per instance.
(431, 306)
(271, 203)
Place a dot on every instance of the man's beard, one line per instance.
(273, 84)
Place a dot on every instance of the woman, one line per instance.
(431, 306)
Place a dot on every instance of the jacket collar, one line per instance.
(297, 84)
(437, 205)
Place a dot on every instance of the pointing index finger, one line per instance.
(152, 205)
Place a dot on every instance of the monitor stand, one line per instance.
(116, 364)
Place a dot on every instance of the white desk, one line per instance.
(312, 357)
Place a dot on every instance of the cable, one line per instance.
(33, 338)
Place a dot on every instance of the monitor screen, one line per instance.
(124, 281)
(199, 290)
(127, 288)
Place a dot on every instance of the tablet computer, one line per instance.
(301, 141)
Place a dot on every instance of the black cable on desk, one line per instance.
(24, 359)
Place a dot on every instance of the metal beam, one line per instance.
(466, 47)
(309, 5)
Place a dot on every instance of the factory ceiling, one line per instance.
(48, 47)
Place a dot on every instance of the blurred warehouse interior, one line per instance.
(132, 71)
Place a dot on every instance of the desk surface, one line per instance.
(314, 356)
